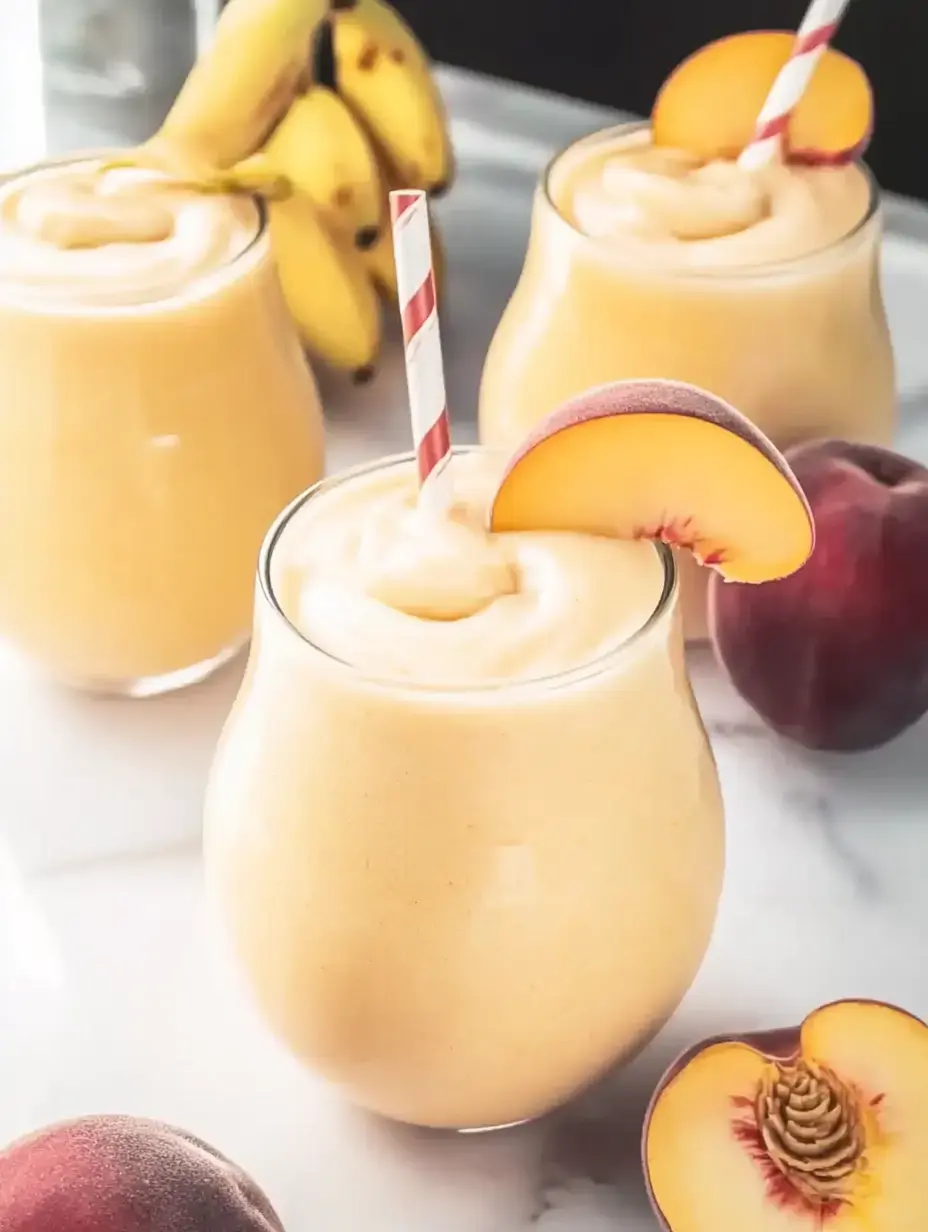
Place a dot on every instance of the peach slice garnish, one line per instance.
(819, 1127)
(709, 104)
(661, 460)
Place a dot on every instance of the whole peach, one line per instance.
(836, 655)
(124, 1174)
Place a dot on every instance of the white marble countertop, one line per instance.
(112, 998)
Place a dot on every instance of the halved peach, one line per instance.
(661, 460)
(709, 104)
(822, 1126)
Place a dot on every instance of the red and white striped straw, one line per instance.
(816, 32)
(425, 376)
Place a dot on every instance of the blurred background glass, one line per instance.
(86, 73)
(76, 72)
(113, 67)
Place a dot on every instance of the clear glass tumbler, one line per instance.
(463, 905)
(145, 447)
(800, 346)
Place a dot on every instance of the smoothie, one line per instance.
(464, 827)
(156, 415)
(761, 286)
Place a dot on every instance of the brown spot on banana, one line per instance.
(368, 57)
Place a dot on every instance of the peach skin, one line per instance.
(124, 1174)
(836, 656)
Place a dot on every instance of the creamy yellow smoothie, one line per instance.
(464, 827)
(156, 414)
(760, 286)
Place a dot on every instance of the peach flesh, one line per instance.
(815, 1127)
(124, 1174)
(661, 460)
(710, 102)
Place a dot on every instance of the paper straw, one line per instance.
(425, 377)
(816, 32)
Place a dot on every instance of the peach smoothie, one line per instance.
(464, 828)
(650, 260)
(156, 415)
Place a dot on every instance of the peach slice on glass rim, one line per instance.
(657, 459)
(710, 102)
(816, 1128)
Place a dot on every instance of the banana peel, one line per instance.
(328, 291)
(384, 74)
(380, 263)
(244, 82)
(323, 152)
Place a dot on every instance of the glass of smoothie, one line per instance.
(156, 414)
(656, 257)
(464, 829)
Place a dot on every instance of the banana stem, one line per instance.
(252, 175)
(255, 174)
(162, 156)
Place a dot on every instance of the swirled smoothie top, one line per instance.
(660, 206)
(436, 599)
(73, 235)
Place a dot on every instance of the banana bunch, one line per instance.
(322, 106)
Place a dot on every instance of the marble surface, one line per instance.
(113, 996)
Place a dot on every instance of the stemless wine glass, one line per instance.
(463, 904)
(801, 346)
(144, 450)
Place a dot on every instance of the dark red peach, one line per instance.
(836, 656)
(123, 1174)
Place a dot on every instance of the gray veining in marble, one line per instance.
(113, 995)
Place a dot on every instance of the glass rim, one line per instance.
(550, 680)
(760, 269)
(255, 238)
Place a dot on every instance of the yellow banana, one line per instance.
(384, 74)
(380, 262)
(330, 296)
(239, 88)
(322, 151)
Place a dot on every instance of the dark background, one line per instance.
(619, 51)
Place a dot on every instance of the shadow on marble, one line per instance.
(859, 818)
(913, 405)
(579, 1167)
(592, 1159)
(897, 769)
